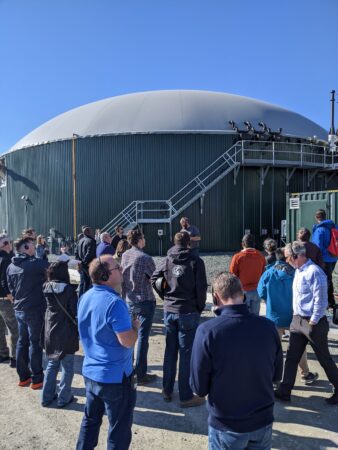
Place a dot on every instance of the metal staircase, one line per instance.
(244, 152)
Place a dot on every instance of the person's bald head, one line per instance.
(105, 237)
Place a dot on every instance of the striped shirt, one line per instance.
(310, 292)
(137, 269)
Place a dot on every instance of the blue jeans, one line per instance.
(180, 332)
(49, 382)
(253, 301)
(254, 440)
(145, 313)
(118, 400)
(28, 347)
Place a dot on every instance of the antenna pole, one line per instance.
(333, 99)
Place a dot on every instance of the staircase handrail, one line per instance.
(201, 178)
(128, 210)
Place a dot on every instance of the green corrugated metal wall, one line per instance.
(112, 171)
(309, 203)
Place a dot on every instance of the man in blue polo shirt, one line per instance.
(235, 360)
(108, 336)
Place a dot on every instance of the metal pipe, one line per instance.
(26, 213)
(75, 136)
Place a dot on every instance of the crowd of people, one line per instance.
(234, 360)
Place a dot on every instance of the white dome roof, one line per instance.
(180, 111)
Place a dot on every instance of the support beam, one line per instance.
(289, 174)
(310, 176)
(263, 173)
(328, 178)
(235, 173)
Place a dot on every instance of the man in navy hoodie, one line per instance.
(321, 236)
(25, 276)
(236, 358)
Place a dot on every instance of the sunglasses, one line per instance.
(5, 243)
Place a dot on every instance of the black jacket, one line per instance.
(25, 277)
(86, 251)
(186, 290)
(60, 333)
(5, 260)
(235, 359)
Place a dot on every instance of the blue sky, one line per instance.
(57, 55)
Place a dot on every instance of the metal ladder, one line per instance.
(164, 211)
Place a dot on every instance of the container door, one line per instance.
(307, 212)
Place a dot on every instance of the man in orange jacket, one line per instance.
(248, 265)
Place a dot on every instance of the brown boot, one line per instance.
(195, 401)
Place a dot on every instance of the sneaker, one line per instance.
(36, 386)
(195, 401)
(333, 400)
(285, 336)
(62, 405)
(146, 379)
(282, 397)
(25, 382)
(12, 363)
(4, 359)
(166, 397)
(310, 378)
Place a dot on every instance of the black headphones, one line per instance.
(105, 275)
(293, 254)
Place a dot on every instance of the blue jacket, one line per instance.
(104, 248)
(235, 359)
(25, 276)
(321, 236)
(275, 287)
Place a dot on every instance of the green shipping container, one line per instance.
(301, 208)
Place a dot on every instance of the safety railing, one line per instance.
(288, 154)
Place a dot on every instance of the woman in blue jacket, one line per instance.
(275, 288)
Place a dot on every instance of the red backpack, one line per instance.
(333, 246)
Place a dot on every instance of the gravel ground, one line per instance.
(214, 263)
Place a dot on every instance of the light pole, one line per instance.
(25, 198)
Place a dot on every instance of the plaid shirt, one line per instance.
(137, 268)
(310, 292)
